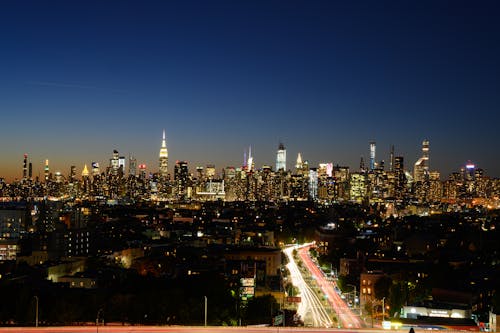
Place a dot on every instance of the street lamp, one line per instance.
(36, 310)
(383, 308)
(352, 285)
(205, 310)
(97, 320)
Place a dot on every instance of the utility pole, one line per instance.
(205, 310)
(97, 320)
(359, 299)
(36, 311)
(383, 308)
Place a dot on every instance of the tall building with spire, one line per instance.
(299, 165)
(163, 157)
(250, 162)
(85, 171)
(421, 170)
(281, 158)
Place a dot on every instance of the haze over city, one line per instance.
(325, 78)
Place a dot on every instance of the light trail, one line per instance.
(186, 329)
(310, 302)
(345, 315)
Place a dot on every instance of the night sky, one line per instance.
(81, 78)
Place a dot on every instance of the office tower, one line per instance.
(469, 172)
(121, 164)
(181, 171)
(313, 183)
(25, 166)
(421, 170)
(163, 158)
(142, 171)
(30, 170)
(46, 170)
(181, 177)
(114, 162)
(210, 171)
(95, 169)
(325, 170)
(358, 187)
(399, 175)
(72, 173)
(362, 167)
(372, 155)
(200, 173)
(281, 158)
(132, 166)
(391, 162)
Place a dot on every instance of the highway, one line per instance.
(184, 329)
(310, 309)
(345, 315)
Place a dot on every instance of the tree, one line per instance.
(382, 287)
(261, 309)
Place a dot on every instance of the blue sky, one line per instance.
(79, 79)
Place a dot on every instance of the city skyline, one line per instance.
(80, 80)
(371, 160)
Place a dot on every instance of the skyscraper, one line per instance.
(421, 170)
(132, 166)
(391, 162)
(25, 166)
(281, 158)
(163, 158)
(250, 162)
(114, 162)
(72, 173)
(85, 171)
(372, 155)
(46, 170)
(299, 164)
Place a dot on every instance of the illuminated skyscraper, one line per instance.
(181, 178)
(114, 162)
(210, 171)
(25, 166)
(391, 162)
(163, 157)
(85, 171)
(372, 155)
(421, 170)
(281, 158)
(95, 169)
(299, 164)
(72, 173)
(250, 162)
(399, 175)
(46, 170)
(132, 166)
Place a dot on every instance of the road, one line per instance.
(310, 309)
(344, 314)
(184, 329)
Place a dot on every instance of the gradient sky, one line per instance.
(81, 78)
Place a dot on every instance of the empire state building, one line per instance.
(163, 158)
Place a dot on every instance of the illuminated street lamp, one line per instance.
(36, 310)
